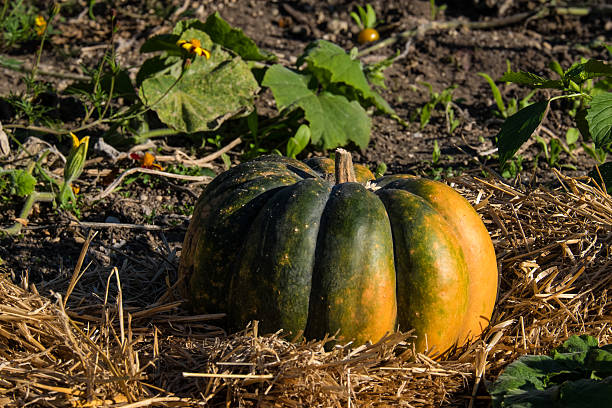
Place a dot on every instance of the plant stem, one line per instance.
(4, 8)
(345, 172)
(575, 95)
(25, 211)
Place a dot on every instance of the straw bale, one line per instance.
(97, 338)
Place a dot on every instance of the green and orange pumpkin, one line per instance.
(319, 246)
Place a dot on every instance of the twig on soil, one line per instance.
(118, 180)
(144, 227)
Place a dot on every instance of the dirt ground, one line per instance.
(158, 209)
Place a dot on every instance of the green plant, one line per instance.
(597, 154)
(328, 92)
(381, 169)
(366, 20)
(576, 374)
(434, 10)
(217, 142)
(18, 22)
(552, 152)
(571, 138)
(23, 183)
(511, 168)
(594, 122)
(435, 156)
(443, 98)
(513, 105)
(298, 142)
(274, 240)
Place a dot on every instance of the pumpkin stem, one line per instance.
(345, 173)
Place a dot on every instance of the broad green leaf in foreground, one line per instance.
(332, 64)
(533, 80)
(599, 118)
(578, 375)
(518, 128)
(334, 121)
(209, 92)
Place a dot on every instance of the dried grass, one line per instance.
(120, 347)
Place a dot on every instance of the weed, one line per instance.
(19, 23)
(512, 106)
(381, 169)
(435, 156)
(435, 10)
(443, 98)
(593, 122)
(511, 168)
(366, 21)
(597, 154)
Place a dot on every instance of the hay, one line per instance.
(120, 347)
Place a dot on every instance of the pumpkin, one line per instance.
(318, 247)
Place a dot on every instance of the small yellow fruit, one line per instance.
(368, 35)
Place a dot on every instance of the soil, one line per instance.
(158, 209)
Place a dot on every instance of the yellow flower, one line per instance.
(76, 158)
(147, 161)
(193, 47)
(41, 25)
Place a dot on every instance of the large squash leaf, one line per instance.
(234, 39)
(206, 94)
(334, 121)
(577, 374)
(331, 64)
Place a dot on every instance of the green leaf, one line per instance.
(518, 128)
(334, 121)
(22, 183)
(163, 42)
(208, 93)
(576, 344)
(496, 94)
(156, 66)
(356, 18)
(606, 173)
(533, 80)
(590, 69)
(556, 67)
(231, 38)
(298, 142)
(332, 65)
(599, 118)
(380, 170)
(370, 21)
(582, 124)
(565, 380)
(571, 136)
(287, 86)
